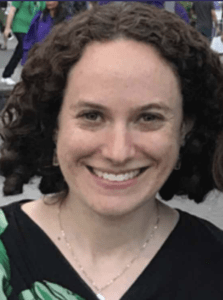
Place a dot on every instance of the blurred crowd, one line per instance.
(31, 21)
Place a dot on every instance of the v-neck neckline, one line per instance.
(52, 252)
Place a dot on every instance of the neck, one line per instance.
(103, 236)
(52, 13)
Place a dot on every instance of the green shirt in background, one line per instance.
(25, 11)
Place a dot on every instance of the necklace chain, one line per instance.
(110, 282)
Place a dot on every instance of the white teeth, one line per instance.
(120, 177)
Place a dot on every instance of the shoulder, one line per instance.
(3, 226)
(8, 216)
(42, 5)
(5, 288)
(215, 232)
(42, 213)
(7, 241)
(202, 234)
(3, 222)
(16, 4)
(196, 255)
(8, 226)
(211, 3)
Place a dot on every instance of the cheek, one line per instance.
(74, 145)
(163, 147)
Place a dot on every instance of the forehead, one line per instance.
(122, 68)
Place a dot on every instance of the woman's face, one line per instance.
(51, 5)
(119, 127)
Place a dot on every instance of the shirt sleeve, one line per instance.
(30, 38)
(42, 5)
(5, 275)
(5, 287)
(16, 4)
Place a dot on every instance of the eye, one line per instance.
(150, 121)
(91, 116)
(148, 117)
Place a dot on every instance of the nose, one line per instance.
(119, 147)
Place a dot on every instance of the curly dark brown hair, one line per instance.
(30, 115)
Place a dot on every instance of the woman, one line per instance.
(123, 102)
(19, 18)
(54, 13)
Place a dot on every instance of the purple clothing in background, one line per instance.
(103, 2)
(181, 12)
(38, 30)
(179, 9)
(159, 4)
(217, 5)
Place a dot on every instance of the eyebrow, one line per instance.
(85, 104)
(158, 106)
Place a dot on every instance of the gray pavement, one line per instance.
(211, 209)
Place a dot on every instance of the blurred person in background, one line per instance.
(3, 16)
(18, 21)
(92, 4)
(206, 15)
(54, 13)
(178, 8)
(181, 11)
(75, 7)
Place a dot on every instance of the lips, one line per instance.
(120, 177)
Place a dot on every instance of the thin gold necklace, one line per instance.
(110, 282)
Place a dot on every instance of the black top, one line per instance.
(203, 11)
(189, 265)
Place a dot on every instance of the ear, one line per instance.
(186, 127)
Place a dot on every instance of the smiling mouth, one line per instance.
(117, 177)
